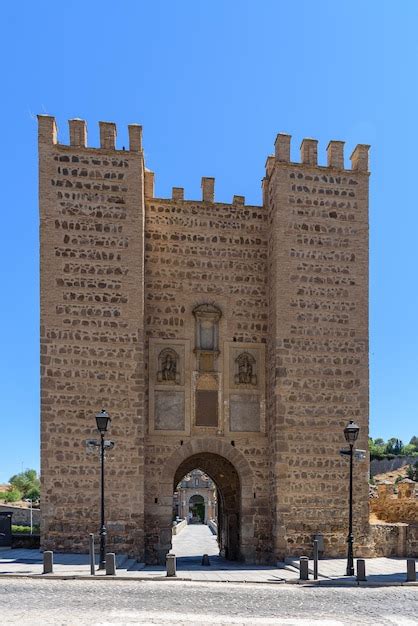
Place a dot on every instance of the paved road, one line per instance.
(29, 602)
(195, 540)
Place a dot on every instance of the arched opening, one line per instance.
(197, 509)
(226, 522)
(235, 494)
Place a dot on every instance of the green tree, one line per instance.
(377, 448)
(414, 442)
(33, 494)
(410, 449)
(394, 446)
(25, 482)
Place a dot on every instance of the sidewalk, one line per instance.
(379, 571)
(189, 546)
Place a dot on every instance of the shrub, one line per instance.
(13, 495)
(16, 528)
(412, 471)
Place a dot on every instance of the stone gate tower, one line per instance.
(222, 337)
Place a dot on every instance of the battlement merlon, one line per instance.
(360, 158)
(208, 189)
(309, 151)
(148, 183)
(47, 129)
(309, 155)
(78, 132)
(48, 134)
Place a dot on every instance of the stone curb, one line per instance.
(304, 583)
(349, 583)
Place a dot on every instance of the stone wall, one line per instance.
(179, 526)
(91, 230)
(402, 507)
(229, 336)
(387, 540)
(21, 515)
(199, 252)
(381, 466)
(412, 541)
(318, 340)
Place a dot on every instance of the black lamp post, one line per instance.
(102, 420)
(351, 432)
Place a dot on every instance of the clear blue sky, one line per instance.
(212, 82)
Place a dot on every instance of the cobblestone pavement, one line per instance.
(29, 602)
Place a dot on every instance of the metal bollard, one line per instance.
(110, 564)
(303, 568)
(170, 562)
(205, 559)
(361, 570)
(315, 558)
(48, 562)
(411, 574)
(91, 551)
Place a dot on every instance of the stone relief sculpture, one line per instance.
(245, 369)
(168, 361)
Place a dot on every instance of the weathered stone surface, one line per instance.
(245, 413)
(169, 410)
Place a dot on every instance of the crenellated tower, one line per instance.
(317, 368)
(92, 307)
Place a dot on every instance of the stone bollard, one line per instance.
(303, 568)
(48, 562)
(170, 561)
(361, 570)
(411, 574)
(205, 559)
(91, 552)
(110, 564)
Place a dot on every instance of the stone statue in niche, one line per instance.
(245, 370)
(168, 372)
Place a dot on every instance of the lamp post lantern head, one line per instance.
(351, 432)
(102, 420)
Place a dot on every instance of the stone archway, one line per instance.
(227, 481)
(232, 474)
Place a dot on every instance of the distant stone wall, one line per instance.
(21, 516)
(381, 466)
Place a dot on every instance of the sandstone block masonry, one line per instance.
(219, 336)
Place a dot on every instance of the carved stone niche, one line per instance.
(207, 318)
(168, 367)
(245, 369)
